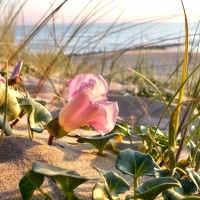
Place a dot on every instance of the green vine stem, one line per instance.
(45, 194)
(135, 180)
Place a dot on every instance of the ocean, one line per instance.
(101, 37)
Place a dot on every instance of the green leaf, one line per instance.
(37, 113)
(171, 195)
(187, 188)
(194, 176)
(29, 183)
(135, 163)
(98, 141)
(152, 188)
(159, 137)
(44, 103)
(98, 192)
(7, 130)
(114, 183)
(13, 108)
(165, 173)
(68, 179)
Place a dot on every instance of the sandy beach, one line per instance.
(18, 152)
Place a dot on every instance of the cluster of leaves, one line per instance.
(67, 179)
(170, 183)
(157, 145)
(17, 105)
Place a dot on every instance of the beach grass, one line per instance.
(148, 70)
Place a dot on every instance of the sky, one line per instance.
(105, 11)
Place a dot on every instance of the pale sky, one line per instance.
(109, 10)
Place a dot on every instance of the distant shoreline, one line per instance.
(168, 47)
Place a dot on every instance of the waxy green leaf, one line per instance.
(36, 113)
(98, 192)
(187, 188)
(171, 195)
(194, 176)
(29, 183)
(13, 108)
(98, 141)
(7, 130)
(67, 179)
(135, 163)
(114, 184)
(165, 173)
(152, 188)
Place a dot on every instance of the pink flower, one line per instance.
(17, 69)
(87, 105)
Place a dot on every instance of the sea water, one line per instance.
(101, 37)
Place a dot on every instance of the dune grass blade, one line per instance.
(36, 31)
(160, 94)
(174, 121)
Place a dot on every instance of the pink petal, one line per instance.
(112, 112)
(92, 112)
(17, 70)
(94, 82)
(2, 79)
(69, 113)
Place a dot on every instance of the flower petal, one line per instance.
(94, 82)
(17, 70)
(74, 108)
(92, 112)
(111, 115)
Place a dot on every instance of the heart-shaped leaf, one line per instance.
(187, 188)
(152, 188)
(171, 195)
(98, 192)
(68, 179)
(194, 176)
(13, 108)
(165, 173)
(7, 130)
(29, 183)
(135, 163)
(37, 113)
(98, 141)
(114, 183)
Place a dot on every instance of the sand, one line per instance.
(18, 152)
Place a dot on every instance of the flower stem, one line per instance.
(51, 137)
(45, 194)
(135, 180)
